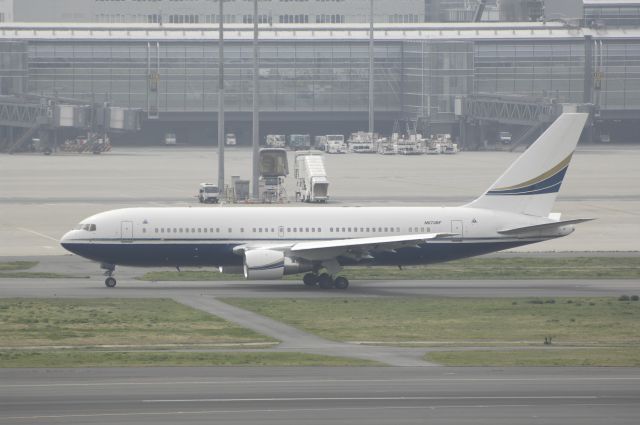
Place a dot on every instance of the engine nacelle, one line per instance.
(266, 264)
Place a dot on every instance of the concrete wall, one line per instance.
(54, 11)
(568, 10)
(6, 10)
(136, 11)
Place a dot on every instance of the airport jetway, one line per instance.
(481, 116)
(25, 118)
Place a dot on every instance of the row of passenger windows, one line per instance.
(161, 230)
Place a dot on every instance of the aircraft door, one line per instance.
(126, 231)
(458, 229)
(281, 232)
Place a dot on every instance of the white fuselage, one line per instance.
(208, 236)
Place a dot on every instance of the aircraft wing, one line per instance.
(542, 227)
(357, 248)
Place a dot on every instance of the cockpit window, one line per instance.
(87, 227)
(92, 228)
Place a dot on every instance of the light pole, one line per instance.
(256, 125)
(221, 137)
(371, 71)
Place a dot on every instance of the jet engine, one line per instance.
(266, 264)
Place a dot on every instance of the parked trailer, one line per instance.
(312, 184)
(299, 142)
(276, 140)
(362, 142)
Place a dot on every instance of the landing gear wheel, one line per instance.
(325, 281)
(110, 282)
(310, 279)
(341, 282)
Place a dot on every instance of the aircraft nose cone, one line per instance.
(66, 239)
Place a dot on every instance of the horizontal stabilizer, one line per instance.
(541, 227)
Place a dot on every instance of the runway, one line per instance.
(320, 395)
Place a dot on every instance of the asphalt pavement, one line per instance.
(510, 396)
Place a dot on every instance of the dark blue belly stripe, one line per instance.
(214, 255)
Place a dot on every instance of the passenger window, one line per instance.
(217, 230)
(288, 229)
(254, 230)
(205, 230)
(200, 229)
(144, 230)
(422, 229)
(230, 230)
(343, 230)
(313, 230)
(331, 229)
(156, 230)
(181, 230)
(295, 229)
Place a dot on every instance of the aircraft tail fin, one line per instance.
(531, 184)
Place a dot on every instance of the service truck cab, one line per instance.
(231, 139)
(208, 193)
(170, 139)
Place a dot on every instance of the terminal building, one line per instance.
(314, 78)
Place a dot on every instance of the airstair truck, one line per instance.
(312, 184)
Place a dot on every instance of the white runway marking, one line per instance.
(42, 235)
(244, 400)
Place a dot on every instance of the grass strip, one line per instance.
(626, 356)
(461, 321)
(17, 265)
(76, 358)
(99, 322)
(473, 268)
(38, 275)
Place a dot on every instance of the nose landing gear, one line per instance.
(110, 281)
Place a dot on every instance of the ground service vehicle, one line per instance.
(312, 184)
(209, 193)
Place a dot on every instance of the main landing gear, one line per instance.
(325, 281)
(110, 281)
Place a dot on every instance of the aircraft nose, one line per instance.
(65, 239)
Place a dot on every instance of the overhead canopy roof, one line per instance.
(317, 32)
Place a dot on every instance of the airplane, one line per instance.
(267, 243)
